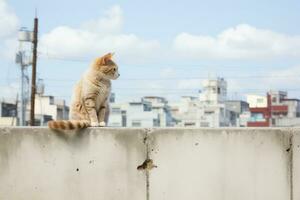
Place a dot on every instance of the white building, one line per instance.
(209, 110)
(214, 91)
(239, 112)
(133, 114)
(159, 106)
(150, 111)
(48, 108)
(186, 111)
(212, 106)
(257, 101)
(117, 115)
(139, 114)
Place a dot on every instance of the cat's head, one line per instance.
(106, 66)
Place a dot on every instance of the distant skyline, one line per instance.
(163, 48)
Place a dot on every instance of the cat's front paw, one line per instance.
(94, 124)
(102, 124)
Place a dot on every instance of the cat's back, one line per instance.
(77, 91)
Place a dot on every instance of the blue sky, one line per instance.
(162, 48)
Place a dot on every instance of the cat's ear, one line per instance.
(99, 61)
(108, 57)
(104, 59)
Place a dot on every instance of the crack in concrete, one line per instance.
(291, 165)
(146, 141)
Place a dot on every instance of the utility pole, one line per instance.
(33, 78)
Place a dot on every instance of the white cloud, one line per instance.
(241, 42)
(9, 24)
(112, 23)
(8, 48)
(97, 37)
(8, 20)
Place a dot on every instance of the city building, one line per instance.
(160, 107)
(8, 114)
(214, 91)
(117, 115)
(210, 109)
(133, 114)
(239, 112)
(184, 112)
(140, 114)
(274, 109)
(48, 108)
(150, 111)
(212, 105)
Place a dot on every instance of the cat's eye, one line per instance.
(114, 69)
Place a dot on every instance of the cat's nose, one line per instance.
(118, 75)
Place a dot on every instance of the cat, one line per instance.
(90, 101)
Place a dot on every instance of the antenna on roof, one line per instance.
(35, 12)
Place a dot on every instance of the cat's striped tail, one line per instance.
(68, 125)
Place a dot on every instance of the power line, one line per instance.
(48, 56)
(205, 77)
(125, 89)
(179, 89)
(185, 78)
(197, 77)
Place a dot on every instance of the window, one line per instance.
(257, 117)
(124, 118)
(115, 124)
(136, 124)
(51, 100)
(116, 110)
(189, 124)
(281, 98)
(204, 124)
(222, 111)
(219, 90)
(209, 102)
(156, 122)
(274, 100)
(214, 90)
(147, 108)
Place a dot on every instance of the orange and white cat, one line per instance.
(90, 101)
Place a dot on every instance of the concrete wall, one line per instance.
(295, 158)
(100, 163)
(38, 164)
